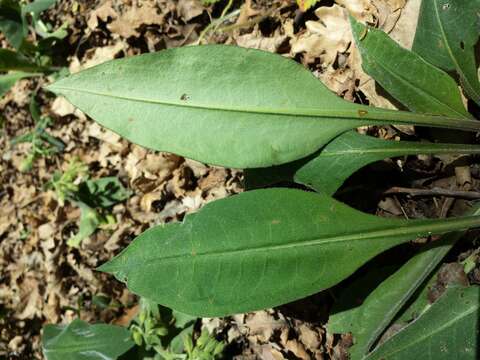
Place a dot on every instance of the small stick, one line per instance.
(471, 195)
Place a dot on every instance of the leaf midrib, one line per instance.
(361, 113)
(445, 226)
(414, 150)
(274, 111)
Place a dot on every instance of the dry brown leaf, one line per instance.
(189, 9)
(31, 303)
(127, 24)
(309, 337)
(255, 40)
(327, 36)
(404, 30)
(127, 318)
(297, 348)
(103, 12)
(262, 324)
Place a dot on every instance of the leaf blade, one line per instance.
(196, 105)
(8, 80)
(414, 82)
(12, 60)
(446, 35)
(438, 329)
(351, 151)
(243, 253)
(80, 341)
(367, 321)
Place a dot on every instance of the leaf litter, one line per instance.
(44, 281)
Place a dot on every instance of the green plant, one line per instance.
(266, 247)
(93, 197)
(42, 143)
(169, 335)
(29, 57)
(158, 333)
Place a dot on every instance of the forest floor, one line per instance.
(42, 280)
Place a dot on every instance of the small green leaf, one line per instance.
(182, 320)
(81, 341)
(447, 330)
(368, 321)
(8, 80)
(11, 22)
(411, 80)
(104, 192)
(446, 35)
(327, 170)
(35, 8)
(11, 60)
(351, 151)
(89, 221)
(260, 249)
(224, 105)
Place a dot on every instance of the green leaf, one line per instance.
(177, 344)
(447, 330)
(260, 249)
(81, 341)
(352, 151)
(327, 170)
(35, 8)
(89, 221)
(224, 105)
(11, 22)
(411, 80)
(11, 60)
(446, 35)
(8, 80)
(104, 192)
(368, 321)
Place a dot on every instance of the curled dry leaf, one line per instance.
(128, 23)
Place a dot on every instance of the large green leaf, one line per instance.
(414, 82)
(446, 35)
(224, 105)
(81, 341)
(260, 249)
(12, 60)
(448, 330)
(368, 321)
(351, 151)
(8, 80)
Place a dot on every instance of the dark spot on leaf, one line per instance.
(184, 97)
(130, 119)
(362, 112)
(462, 45)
